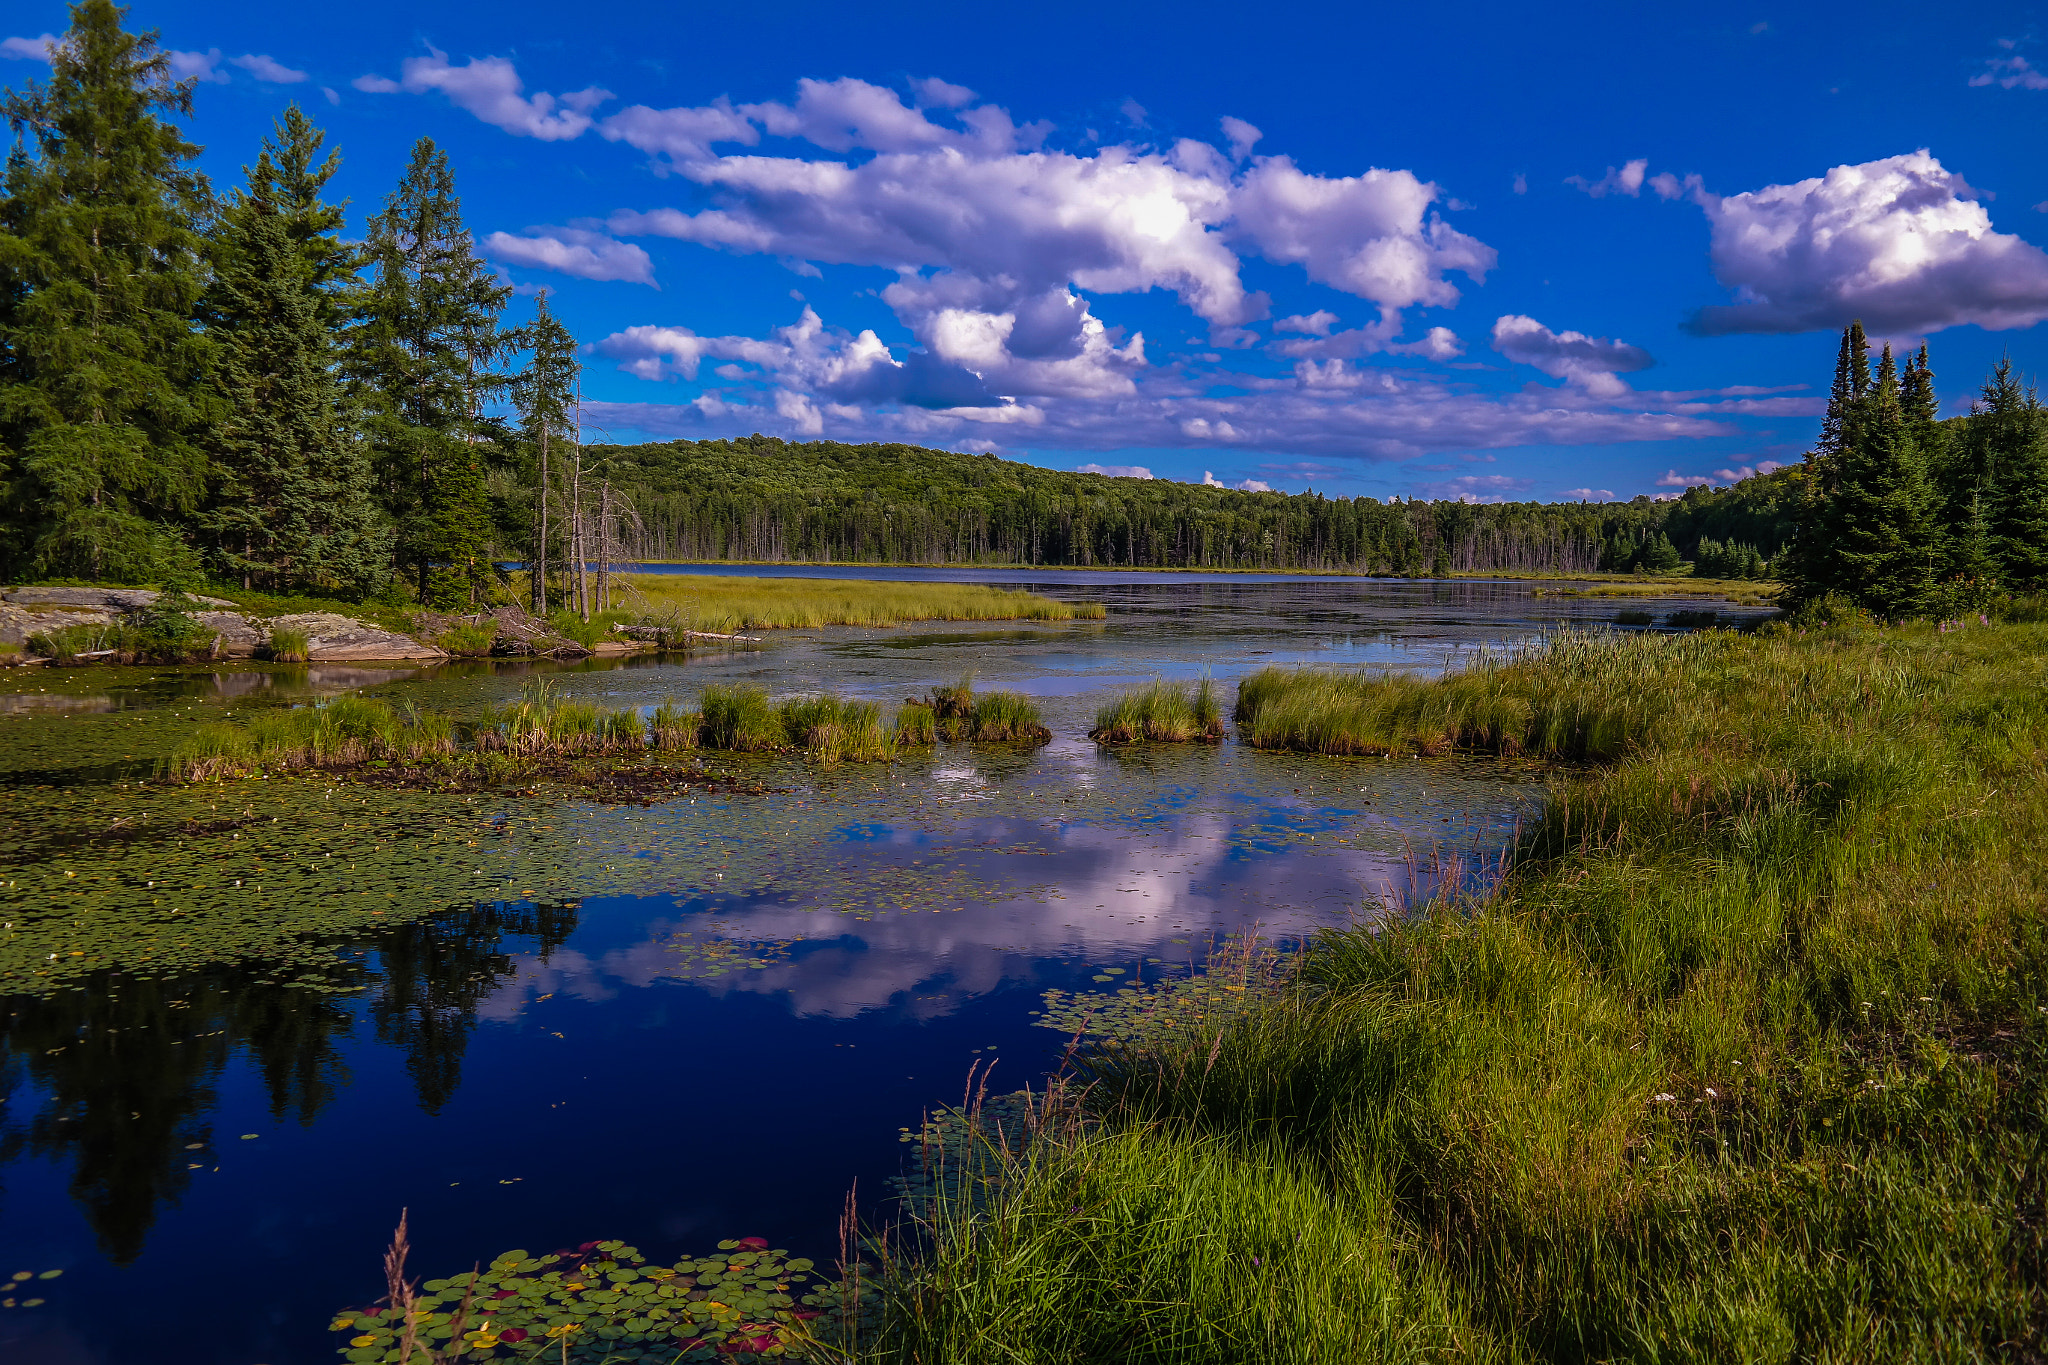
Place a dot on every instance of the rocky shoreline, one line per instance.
(330, 637)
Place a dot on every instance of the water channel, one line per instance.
(252, 1021)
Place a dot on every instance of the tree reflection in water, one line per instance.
(117, 1078)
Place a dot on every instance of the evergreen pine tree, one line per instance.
(2008, 439)
(1880, 519)
(421, 361)
(1808, 565)
(100, 271)
(292, 505)
(545, 397)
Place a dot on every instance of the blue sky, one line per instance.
(1493, 251)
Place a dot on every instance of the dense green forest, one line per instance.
(759, 498)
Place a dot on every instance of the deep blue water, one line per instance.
(534, 1076)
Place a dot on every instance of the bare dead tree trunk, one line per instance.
(539, 567)
(605, 545)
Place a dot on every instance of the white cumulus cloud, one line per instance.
(30, 49)
(1115, 471)
(197, 66)
(1589, 363)
(573, 251)
(1901, 243)
(1587, 494)
(267, 68)
(2011, 71)
(1628, 180)
(490, 88)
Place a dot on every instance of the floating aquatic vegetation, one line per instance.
(602, 1302)
(1173, 1003)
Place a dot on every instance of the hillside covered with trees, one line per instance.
(763, 499)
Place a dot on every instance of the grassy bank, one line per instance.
(733, 603)
(1742, 1062)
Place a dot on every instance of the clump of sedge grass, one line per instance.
(999, 716)
(1576, 696)
(287, 646)
(670, 726)
(341, 733)
(833, 730)
(467, 641)
(916, 726)
(544, 723)
(1161, 712)
(952, 707)
(739, 717)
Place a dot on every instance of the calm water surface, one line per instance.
(671, 1024)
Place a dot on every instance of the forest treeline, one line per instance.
(764, 499)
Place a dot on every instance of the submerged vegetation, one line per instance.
(1161, 712)
(1743, 1060)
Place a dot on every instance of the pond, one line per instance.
(250, 1022)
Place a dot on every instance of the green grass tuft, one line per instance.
(287, 646)
(999, 716)
(740, 717)
(1161, 712)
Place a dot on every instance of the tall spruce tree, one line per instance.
(1880, 520)
(1809, 565)
(545, 397)
(291, 503)
(422, 361)
(2008, 440)
(100, 270)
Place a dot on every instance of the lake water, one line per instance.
(224, 1074)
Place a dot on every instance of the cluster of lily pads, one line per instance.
(602, 1303)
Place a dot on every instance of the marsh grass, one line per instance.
(1743, 1060)
(730, 603)
(955, 711)
(543, 723)
(834, 730)
(1583, 696)
(341, 733)
(1161, 712)
(1006, 716)
(287, 646)
(740, 718)
(917, 726)
(467, 641)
